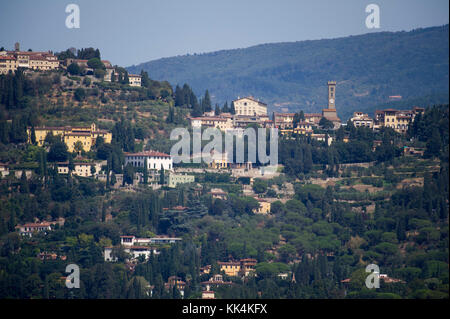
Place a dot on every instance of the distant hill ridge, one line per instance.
(293, 75)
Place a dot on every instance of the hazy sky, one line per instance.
(134, 31)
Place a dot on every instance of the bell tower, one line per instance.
(330, 112)
(331, 94)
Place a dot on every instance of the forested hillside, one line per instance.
(368, 69)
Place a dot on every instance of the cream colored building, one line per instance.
(360, 119)
(134, 80)
(313, 118)
(222, 123)
(81, 168)
(8, 63)
(42, 61)
(283, 120)
(249, 106)
(399, 120)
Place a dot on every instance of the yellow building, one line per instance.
(283, 120)
(399, 120)
(42, 61)
(302, 128)
(7, 63)
(71, 135)
(238, 268)
(231, 268)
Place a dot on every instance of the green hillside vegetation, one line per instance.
(368, 69)
(328, 220)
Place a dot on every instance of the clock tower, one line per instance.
(330, 112)
(331, 94)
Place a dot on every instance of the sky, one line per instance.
(135, 31)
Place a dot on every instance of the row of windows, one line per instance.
(141, 164)
(143, 157)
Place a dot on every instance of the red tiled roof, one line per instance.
(284, 114)
(38, 57)
(313, 115)
(210, 118)
(43, 224)
(234, 263)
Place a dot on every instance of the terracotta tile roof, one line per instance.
(313, 115)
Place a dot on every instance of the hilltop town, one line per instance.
(86, 176)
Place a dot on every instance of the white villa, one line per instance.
(155, 160)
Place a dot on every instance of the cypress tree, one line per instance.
(207, 102)
(232, 109)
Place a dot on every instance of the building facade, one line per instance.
(249, 106)
(175, 179)
(155, 160)
(220, 122)
(42, 61)
(7, 64)
(360, 119)
(81, 169)
(238, 268)
(399, 120)
(134, 80)
(86, 135)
